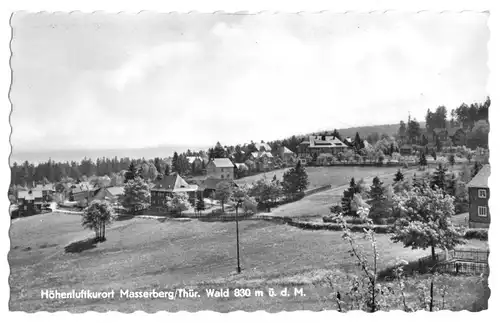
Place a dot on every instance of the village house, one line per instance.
(287, 156)
(167, 187)
(82, 193)
(479, 195)
(316, 145)
(29, 202)
(220, 168)
(196, 163)
(46, 189)
(262, 146)
(111, 194)
(263, 160)
(458, 136)
(406, 150)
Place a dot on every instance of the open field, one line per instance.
(321, 176)
(318, 205)
(51, 251)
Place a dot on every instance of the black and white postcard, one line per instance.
(249, 161)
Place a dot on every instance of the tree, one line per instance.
(295, 180)
(179, 202)
(476, 169)
(358, 143)
(223, 192)
(96, 216)
(175, 163)
(402, 130)
(167, 170)
(136, 195)
(131, 173)
(336, 134)
(413, 130)
(425, 220)
(439, 146)
(378, 200)
(200, 203)
(217, 152)
(451, 160)
(439, 178)
(422, 161)
(399, 176)
(347, 197)
(148, 171)
(266, 192)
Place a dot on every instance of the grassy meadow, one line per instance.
(52, 251)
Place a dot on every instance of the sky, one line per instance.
(118, 81)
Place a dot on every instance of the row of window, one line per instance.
(482, 211)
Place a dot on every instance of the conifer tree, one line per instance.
(131, 173)
(451, 160)
(476, 169)
(347, 197)
(200, 203)
(378, 200)
(175, 163)
(422, 161)
(439, 178)
(399, 176)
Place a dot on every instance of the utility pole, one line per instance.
(238, 238)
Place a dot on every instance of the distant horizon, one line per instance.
(162, 151)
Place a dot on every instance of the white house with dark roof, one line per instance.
(220, 168)
(316, 145)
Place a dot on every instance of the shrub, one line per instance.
(481, 234)
(421, 266)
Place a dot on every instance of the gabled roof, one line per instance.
(43, 187)
(191, 159)
(222, 162)
(453, 131)
(29, 195)
(173, 183)
(116, 190)
(243, 165)
(285, 150)
(262, 145)
(325, 141)
(84, 187)
(481, 178)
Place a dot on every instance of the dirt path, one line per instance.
(318, 204)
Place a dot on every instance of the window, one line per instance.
(482, 194)
(482, 211)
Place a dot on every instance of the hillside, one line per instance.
(364, 131)
(162, 151)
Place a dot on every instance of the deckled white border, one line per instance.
(253, 6)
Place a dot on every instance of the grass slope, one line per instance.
(144, 254)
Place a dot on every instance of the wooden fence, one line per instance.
(461, 261)
(470, 255)
(459, 267)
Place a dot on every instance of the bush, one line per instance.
(338, 226)
(481, 234)
(421, 266)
